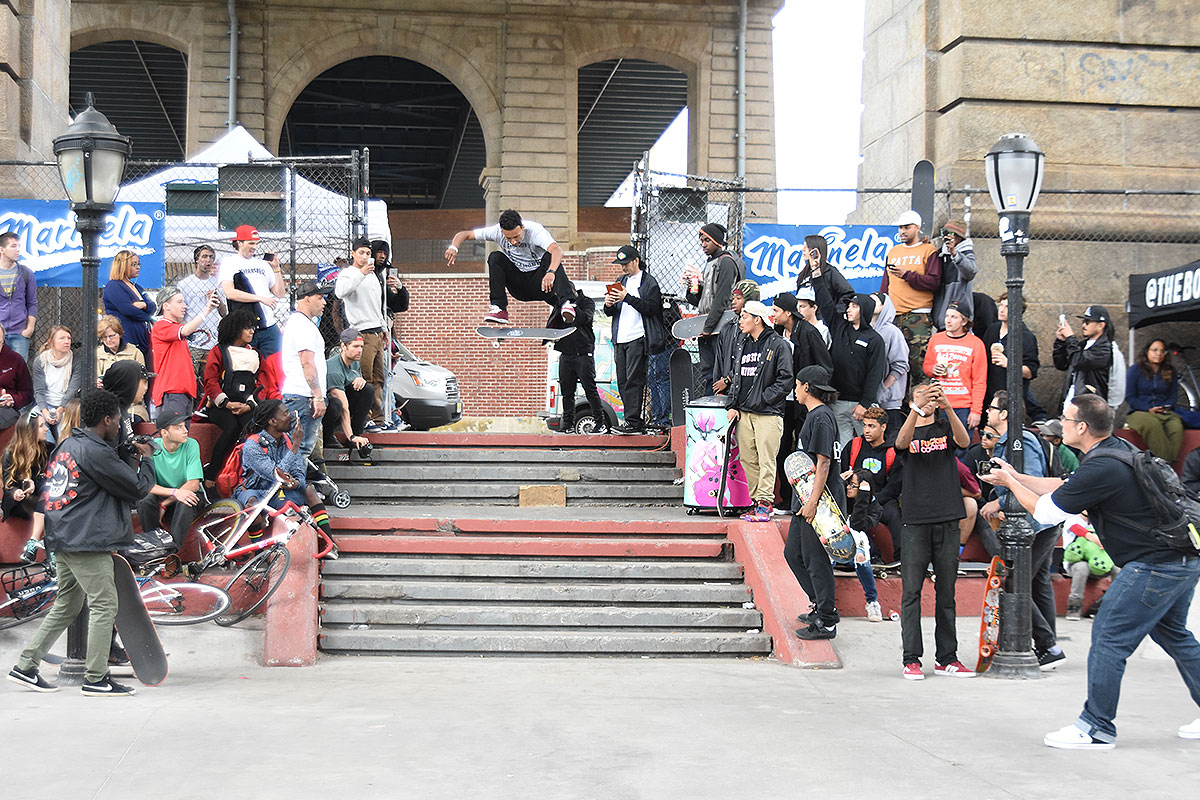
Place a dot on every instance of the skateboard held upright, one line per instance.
(136, 629)
(989, 623)
(831, 527)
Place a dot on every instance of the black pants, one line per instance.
(503, 276)
(707, 347)
(1044, 610)
(182, 516)
(360, 401)
(787, 446)
(810, 564)
(895, 525)
(232, 427)
(631, 363)
(574, 369)
(926, 543)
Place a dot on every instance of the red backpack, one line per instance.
(889, 457)
(232, 474)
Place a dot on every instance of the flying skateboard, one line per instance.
(691, 327)
(682, 386)
(831, 527)
(543, 334)
(989, 623)
(137, 630)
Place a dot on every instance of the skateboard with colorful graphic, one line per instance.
(989, 623)
(829, 523)
(136, 628)
(691, 327)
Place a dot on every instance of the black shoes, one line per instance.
(816, 630)
(106, 687)
(629, 430)
(31, 680)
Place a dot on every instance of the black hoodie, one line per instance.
(859, 354)
(397, 301)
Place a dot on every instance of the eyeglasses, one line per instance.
(1076, 421)
(994, 408)
(989, 435)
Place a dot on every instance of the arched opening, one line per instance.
(427, 146)
(625, 105)
(141, 87)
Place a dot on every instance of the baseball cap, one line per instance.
(246, 233)
(626, 254)
(909, 218)
(1096, 314)
(349, 335)
(309, 288)
(1050, 427)
(806, 293)
(815, 376)
(757, 309)
(169, 418)
(748, 289)
(960, 307)
(787, 302)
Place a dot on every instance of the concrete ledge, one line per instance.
(528, 527)
(553, 441)
(291, 635)
(536, 546)
(759, 549)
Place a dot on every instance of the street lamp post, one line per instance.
(1014, 177)
(91, 160)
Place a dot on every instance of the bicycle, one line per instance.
(32, 588)
(258, 578)
(1189, 385)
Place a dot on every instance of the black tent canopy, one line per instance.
(1172, 295)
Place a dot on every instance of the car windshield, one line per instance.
(405, 353)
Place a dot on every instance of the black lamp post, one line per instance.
(1014, 177)
(91, 161)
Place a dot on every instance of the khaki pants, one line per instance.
(374, 366)
(1162, 433)
(80, 575)
(758, 438)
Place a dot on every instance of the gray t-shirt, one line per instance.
(527, 255)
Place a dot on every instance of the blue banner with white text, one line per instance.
(774, 254)
(50, 245)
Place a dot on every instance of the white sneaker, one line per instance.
(1071, 738)
(1191, 730)
(874, 612)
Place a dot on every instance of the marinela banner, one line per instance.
(774, 254)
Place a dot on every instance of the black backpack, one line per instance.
(1176, 512)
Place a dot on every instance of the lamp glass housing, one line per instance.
(1014, 169)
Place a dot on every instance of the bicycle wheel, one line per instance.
(183, 603)
(30, 590)
(255, 583)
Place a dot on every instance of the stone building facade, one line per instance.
(1110, 90)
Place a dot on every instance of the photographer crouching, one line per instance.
(89, 490)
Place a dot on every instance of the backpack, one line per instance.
(232, 474)
(1176, 512)
(889, 457)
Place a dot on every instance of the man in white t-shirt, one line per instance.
(528, 266)
(635, 304)
(361, 293)
(258, 285)
(196, 289)
(304, 362)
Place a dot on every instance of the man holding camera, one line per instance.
(89, 490)
(1152, 593)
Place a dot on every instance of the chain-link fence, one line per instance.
(307, 210)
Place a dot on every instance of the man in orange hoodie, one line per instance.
(957, 360)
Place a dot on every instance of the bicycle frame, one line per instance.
(218, 551)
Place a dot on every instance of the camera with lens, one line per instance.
(986, 466)
(128, 449)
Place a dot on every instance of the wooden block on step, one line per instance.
(555, 495)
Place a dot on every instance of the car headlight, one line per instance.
(426, 382)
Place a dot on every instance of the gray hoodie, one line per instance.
(896, 350)
(962, 289)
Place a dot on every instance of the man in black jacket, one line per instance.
(761, 384)
(729, 336)
(637, 331)
(712, 290)
(86, 499)
(859, 354)
(1087, 361)
(577, 364)
(396, 301)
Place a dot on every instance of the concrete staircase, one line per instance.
(546, 587)
(412, 468)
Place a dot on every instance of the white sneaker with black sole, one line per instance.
(106, 687)
(31, 680)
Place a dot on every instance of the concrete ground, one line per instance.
(582, 728)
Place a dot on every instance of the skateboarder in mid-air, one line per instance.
(88, 495)
(528, 266)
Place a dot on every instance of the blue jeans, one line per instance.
(866, 577)
(18, 343)
(1143, 599)
(302, 406)
(660, 388)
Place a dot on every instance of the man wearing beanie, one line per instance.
(859, 355)
(712, 291)
(958, 261)
(729, 336)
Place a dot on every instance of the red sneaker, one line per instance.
(496, 314)
(912, 672)
(954, 669)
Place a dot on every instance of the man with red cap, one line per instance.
(258, 286)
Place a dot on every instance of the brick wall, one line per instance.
(504, 381)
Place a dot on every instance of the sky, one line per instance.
(812, 150)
